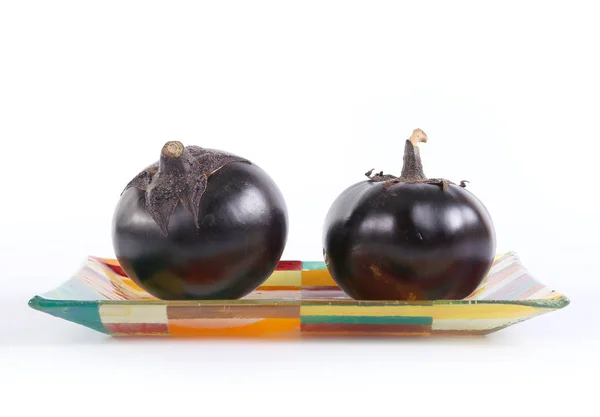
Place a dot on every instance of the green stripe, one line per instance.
(314, 266)
(86, 313)
(366, 320)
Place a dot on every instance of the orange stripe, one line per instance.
(281, 288)
(107, 261)
(320, 278)
(262, 328)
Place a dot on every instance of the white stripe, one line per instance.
(473, 324)
(152, 313)
(539, 294)
(501, 284)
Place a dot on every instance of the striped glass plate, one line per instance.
(299, 299)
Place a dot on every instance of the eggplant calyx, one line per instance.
(412, 168)
(180, 176)
(379, 176)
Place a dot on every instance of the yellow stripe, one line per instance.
(119, 313)
(284, 279)
(446, 311)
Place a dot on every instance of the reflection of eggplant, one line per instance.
(408, 237)
(200, 224)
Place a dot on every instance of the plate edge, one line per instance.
(44, 304)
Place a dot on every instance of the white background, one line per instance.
(316, 93)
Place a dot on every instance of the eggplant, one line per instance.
(199, 224)
(408, 237)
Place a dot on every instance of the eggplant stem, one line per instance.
(412, 167)
(180, 176)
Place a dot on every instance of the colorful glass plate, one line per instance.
(299, 299)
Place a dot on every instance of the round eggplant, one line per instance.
(200, 224)
(408, 237)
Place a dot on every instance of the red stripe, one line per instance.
(531, 291)
(117, 269)
(289, 266)
(137, 328)
(375, 328)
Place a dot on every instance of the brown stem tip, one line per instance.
(173, 149)
(417, 136)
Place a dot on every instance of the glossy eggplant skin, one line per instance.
(241, 236)
(408, 241)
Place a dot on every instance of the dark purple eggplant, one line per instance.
(408, 237)
(200, 224)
